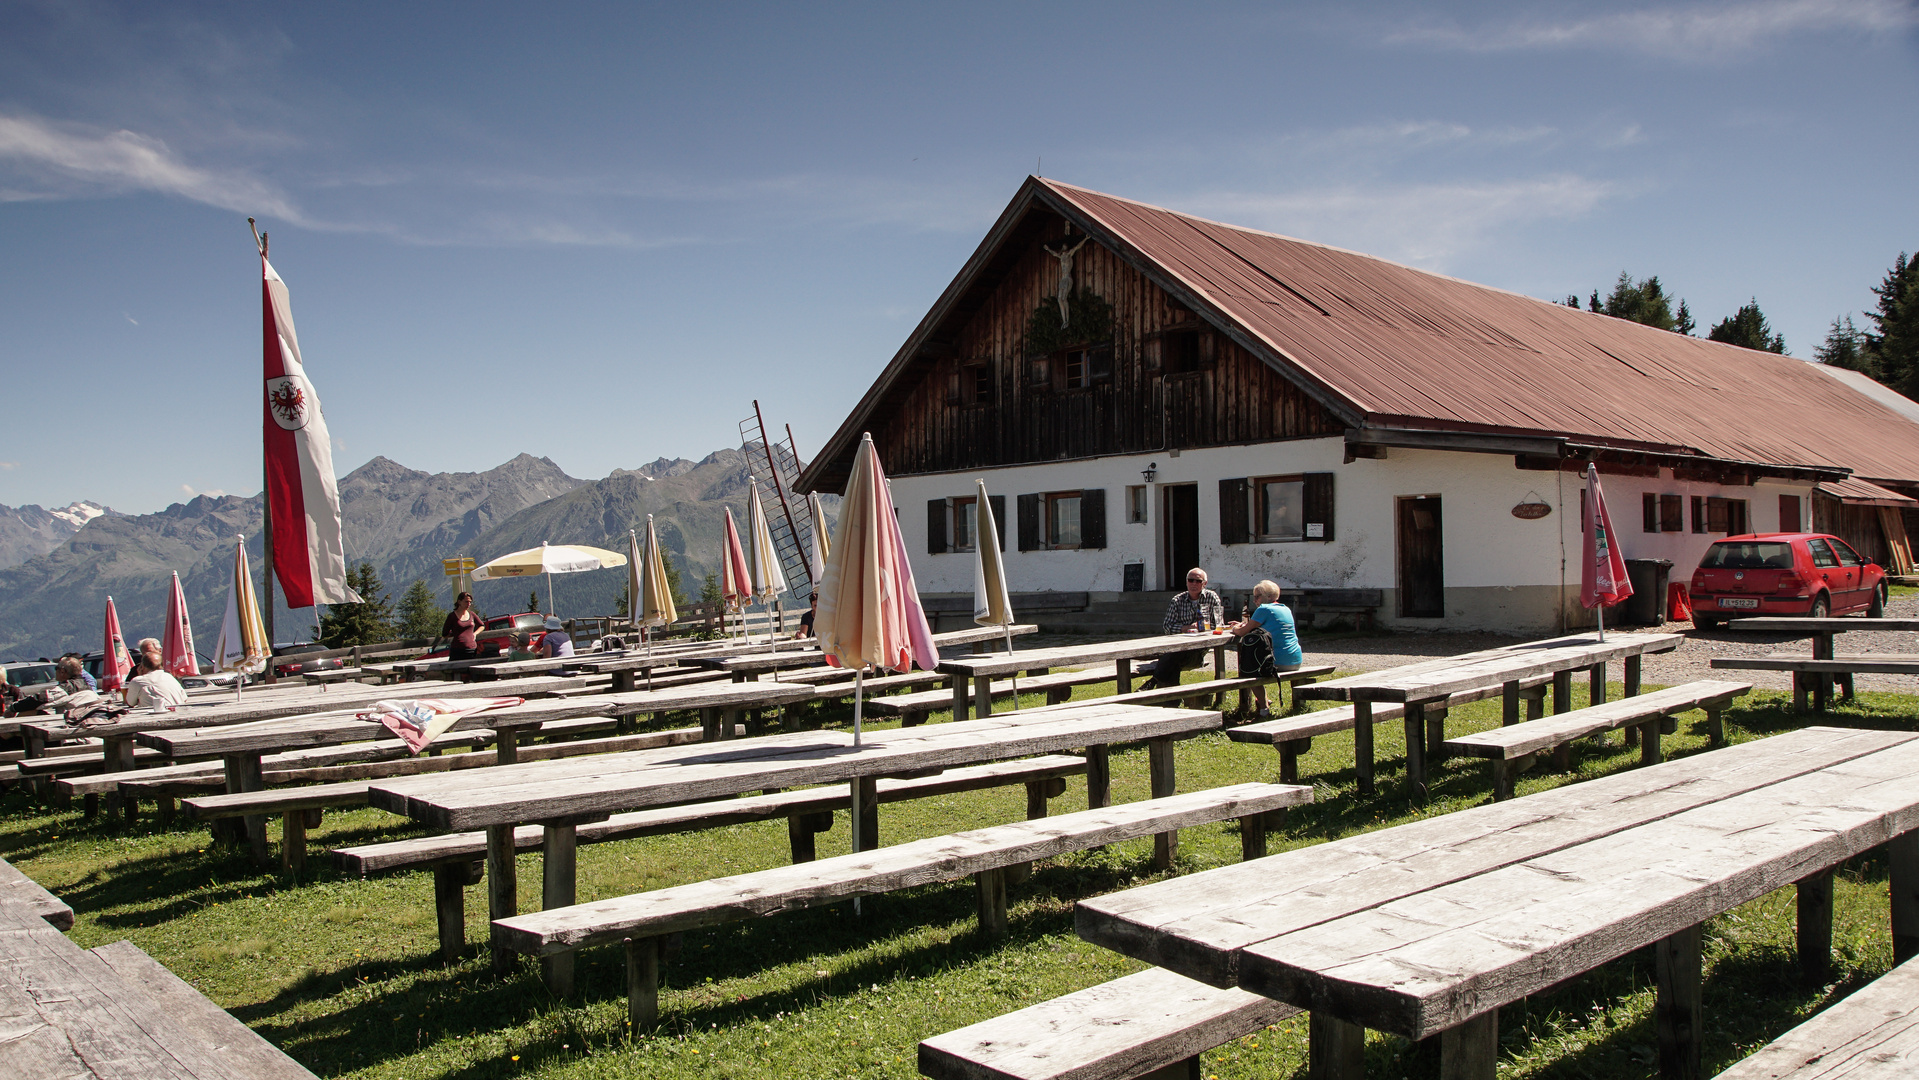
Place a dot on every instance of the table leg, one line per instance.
(983, 697)
(866, 803)
(1649, 741)
(1509, 703)
(1596, 684)
(623, 682)
(506, 745)
(1822, 682)
(1336, 1050)
(502, 888)
(118, 751)
(729, 722)
(1159, 753)
(449, 907)
(1562, 759)
(1436, 751)
(1219, 672)
(243, 774)
(1123, 673)
(1904, 853)
(558, 877)
(1363, 745)
(962, 708)
(1415, 722)
(1676, 1015)
(293, 840)
(1815, 928)
(1470, 1051)
(992, 901)
(642, 982)
(1099, 778)
(1635, 665)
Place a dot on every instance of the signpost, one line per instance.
(458, 569)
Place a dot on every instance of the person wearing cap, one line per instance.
(806, 620)
(556, 642)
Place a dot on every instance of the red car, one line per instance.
(1812, 574)
(494, 638)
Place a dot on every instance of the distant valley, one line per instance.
(401, 520)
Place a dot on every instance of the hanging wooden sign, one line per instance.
(1532, 511)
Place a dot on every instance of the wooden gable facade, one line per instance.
(998, 382)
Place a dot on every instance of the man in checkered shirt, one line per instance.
(1199, 609)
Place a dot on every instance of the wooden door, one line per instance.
(1181, 515)
(1422, 562)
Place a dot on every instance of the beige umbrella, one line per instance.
(652, 598)
(992, 603)
(822, 543)
(764, 575)
(549, 559)
(242, 647)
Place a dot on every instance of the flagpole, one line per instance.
(266, 498)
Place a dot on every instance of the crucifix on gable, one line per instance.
(1065, 256)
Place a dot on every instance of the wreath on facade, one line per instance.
(1090, 321)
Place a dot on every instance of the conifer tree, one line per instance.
(1748, 329)
(343, 626)
(418, 616)
(1894, 350)
(1845, 347)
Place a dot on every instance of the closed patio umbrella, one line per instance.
(1602, 569)
(736, 581)
(992, 602)
(549, 559)
(822, 543)
(652, 596)
(176, 643)
(764, 574)
(242, 647)
(114, 669)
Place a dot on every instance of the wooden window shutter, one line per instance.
(1672, 514)
(1698, 514)
(1717, 517)
(1319, 504)
(1092, 518)
(1232, 511)
(1028, 522)
(936, 512)
(953, 387)
(998, 503)
(1649, 512)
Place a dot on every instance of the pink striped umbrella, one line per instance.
(1602, 568)
(176, 643)
(736, 581)
(115, 668)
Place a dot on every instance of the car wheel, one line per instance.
(1706, 622)
(1821, 607)
(1878, 608)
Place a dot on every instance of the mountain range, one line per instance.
(29, 531)
(401, 520)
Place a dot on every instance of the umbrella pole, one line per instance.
(859, 693)
(1009, 651)
(1601, 609)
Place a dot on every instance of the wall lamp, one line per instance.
(1150, 471)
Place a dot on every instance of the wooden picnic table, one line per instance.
(973, 675)
(1431, 926)
(1822, 632)
(560, 795)
(1419, 687)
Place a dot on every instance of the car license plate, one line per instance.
(1739, 601)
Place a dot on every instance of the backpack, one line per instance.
(1256, 653)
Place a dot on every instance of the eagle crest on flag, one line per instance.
(287, 399)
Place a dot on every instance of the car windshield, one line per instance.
(529, 622)
(30, 674)
(1747, 555)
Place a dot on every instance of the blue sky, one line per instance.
(596, 232)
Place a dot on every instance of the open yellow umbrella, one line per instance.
(242, 647)
(549, 559)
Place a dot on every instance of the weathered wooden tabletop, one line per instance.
(993, 664)
(1786, 624)
(1434, 679)
(589, 788)
(1417, 928)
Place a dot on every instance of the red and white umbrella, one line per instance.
(115, 668)
(176, 643)
(736, 581)
(1602, 569)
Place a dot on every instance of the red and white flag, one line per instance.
(1602, 568)
(309, 556)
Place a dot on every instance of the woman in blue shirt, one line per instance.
(1274, 620)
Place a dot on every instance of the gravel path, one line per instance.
(1689, 662)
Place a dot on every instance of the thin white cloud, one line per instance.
(192, 491)
(52, 160)
(131, 319)
(1707, 31)
(9, 465)
(1422, 224)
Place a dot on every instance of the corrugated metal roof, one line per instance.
(1408, 346)
(1860, 493)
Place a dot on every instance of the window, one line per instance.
(1180, 352)
(1136, 504)
(1822, 556)
(1722, 515)
(1276, 509)
(1075, 368)
(976, 383)
(1063, 520)
(1279, 511)
(1698, 513)
(1649, 512)
(953, 525)
(1847, 556)
(1672, 514)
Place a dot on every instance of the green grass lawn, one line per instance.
(343, 974)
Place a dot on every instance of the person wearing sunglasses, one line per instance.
(1196, 609)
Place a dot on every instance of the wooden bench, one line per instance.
(1512, 749)
(1841, 667)
(642, 919)
(912, 709)
(456, 859)
(294, 804)
(1293, 736)
(1159, 695)
(1152, 1025)
(1872, 1033)
(112, 1012)
(21, 891)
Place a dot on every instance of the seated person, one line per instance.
(1267, 641)
(86, 677)
(806, 620)
(152, 686)
(71, 673)
(1196, 610)
(556, 642)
